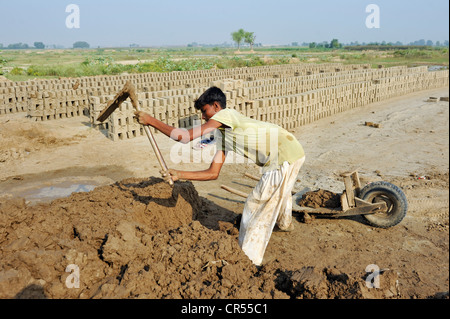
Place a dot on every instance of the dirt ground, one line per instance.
(187, 247)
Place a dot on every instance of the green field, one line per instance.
(20, 65)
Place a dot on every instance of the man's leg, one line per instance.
(262, 209)
(258, 219)
(284, 220)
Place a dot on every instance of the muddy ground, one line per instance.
(131, 236)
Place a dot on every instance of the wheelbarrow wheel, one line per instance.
(394, 198)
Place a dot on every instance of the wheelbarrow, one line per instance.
(381, 203)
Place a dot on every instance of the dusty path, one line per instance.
(42, 160)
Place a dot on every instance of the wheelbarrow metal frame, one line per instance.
(351, 204)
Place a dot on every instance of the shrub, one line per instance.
(17, 71)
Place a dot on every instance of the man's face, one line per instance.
(209, 110)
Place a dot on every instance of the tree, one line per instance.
(249, 38)
(81, 45)
(335, 44)
(312, 45)
(323, 44)
(238, 36)
(16, 46)
(39, 45)
(418, 42)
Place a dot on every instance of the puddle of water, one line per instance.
(50, 185)
(53, 192)
(41, 194)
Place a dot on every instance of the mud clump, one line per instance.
(39, 242)
(329, 283)
(188, 262)
(320, 199)
(140, 239)
(132, 239)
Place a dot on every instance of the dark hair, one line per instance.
(211, 95)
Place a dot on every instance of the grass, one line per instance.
(20, 65)
(408, 57)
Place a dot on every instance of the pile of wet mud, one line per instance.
(140, 239)
(320, 198)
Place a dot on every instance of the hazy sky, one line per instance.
(179, 22)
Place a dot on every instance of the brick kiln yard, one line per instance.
(135, 237)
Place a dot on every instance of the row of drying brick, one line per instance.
(49, 105)
(156, 77)
(264, 88)
(55, 105)
(191, 79)
(177, 110)
(294, 110)
(18, 99)
(288, 86)
(41, 104)
(293, 85)
(12, 98)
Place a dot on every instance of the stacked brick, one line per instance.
(7, 99)
(43, 99)
(288, 95)
(291, 110)
(175, 110)
(15, 96)
(56, 104)
(295, 110)
(294, 85)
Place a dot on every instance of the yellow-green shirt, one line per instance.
(266, 144)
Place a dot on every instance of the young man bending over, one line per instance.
(271, 147)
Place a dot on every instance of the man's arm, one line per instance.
(211, 173)
(177, 134)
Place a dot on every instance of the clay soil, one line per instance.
(71, 197)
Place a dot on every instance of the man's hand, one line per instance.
(171, 174)
(142, 117)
